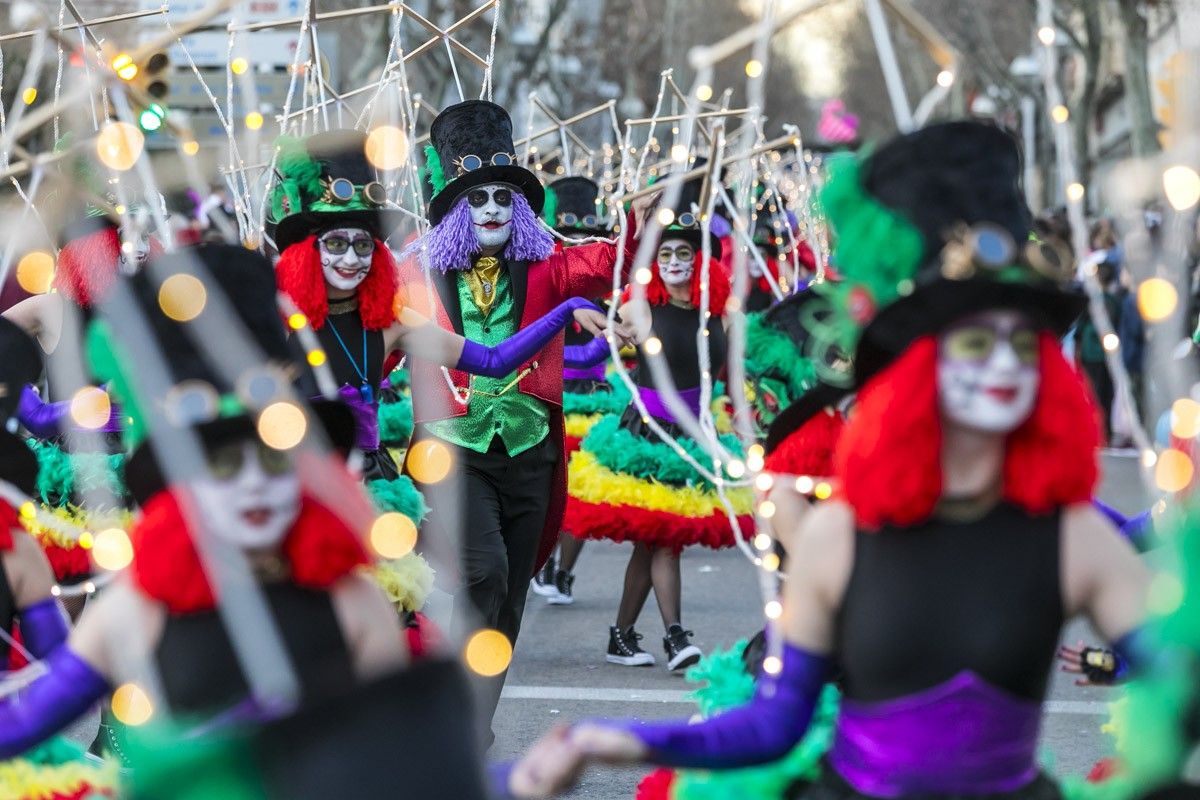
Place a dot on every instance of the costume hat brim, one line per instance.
(381, 222)
(519, 178)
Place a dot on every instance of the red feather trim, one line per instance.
(572, 444)
(10, 521)
(656, 785)
(718, 288)
(809, 449)
(299, 276)
(87, 266)
(889, 456)
(320, 548)
(622, 523)
(68, 563)
(423, 637)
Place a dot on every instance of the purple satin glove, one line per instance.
(763, 730)
(582, 356)
(498, 361)
(43, 627)
(66, 690)
(498, 776)
(46, 420)
(1138, 530)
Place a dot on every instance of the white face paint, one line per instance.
(988, 371)
(491, 214)
(676, 261)
(251, 495)
(345, 256)
(135, 250)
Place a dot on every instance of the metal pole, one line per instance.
(891, 69)
(1029, 139)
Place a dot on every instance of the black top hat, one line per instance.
(572, 207)
(688, 209)
(471, 144)
(21, 365)
(326, 181)
(956, 185)
(202, 397)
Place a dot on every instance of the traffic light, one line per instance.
(151, 118)
(147, 78)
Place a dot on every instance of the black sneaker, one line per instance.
(681, 653)
(623, 648)
(543, 582)
(563, 581)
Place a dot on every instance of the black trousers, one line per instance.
(501, 503)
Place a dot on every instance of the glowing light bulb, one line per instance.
(131, 705)
(1185, 418)
(297, 321)
(112, 550)
(773, 609)
(190, 148)
(772, 665)
(735, 469)
(1060, 114)
(679, 153)
(764, 482)
(387, 147)
(315, 358)
(1174, 470)
(1111, 342)
(1182, 187)
(488, 652)
(35, 272)
(945, 79)
(766, 509)
(239, 66)
(182, 297)
(393, 535)
(119, 145)
(804, 484)
(1075, 192)
(653, 346)
(762, 541)
(704, 92)
(254, 120)
(754, 68)
(282, 425)
(429, 461)
(1046, 35)
(665, 216)
(1156, 299)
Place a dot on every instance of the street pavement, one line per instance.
(559, 674)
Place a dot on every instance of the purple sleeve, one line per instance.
(498, 775)
(498, 361)
(1138, 529)
(40, 418)
(763, 730)
(582, 356)
(54, 699)
(43, 627)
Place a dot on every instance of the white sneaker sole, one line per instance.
(559, 599)
(685, 658)
(543, 589)
(640, 660)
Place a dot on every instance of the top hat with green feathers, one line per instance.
(573, 206)
(931, 227)
(689, 208)
(325, 181)
(471, 144)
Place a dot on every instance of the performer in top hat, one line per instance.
(494, 271)
(330, 225)
(573, 210)
(964, 536)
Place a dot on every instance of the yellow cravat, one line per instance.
(481, 280)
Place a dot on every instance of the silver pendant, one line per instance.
(487, 288)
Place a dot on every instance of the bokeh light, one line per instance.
(735, 469)
(772, 665)
(90, 407)
(764, 482)
(191, 147)
(282, 425)
(429, 461)
(119, 145)
(766, 509)
(29, 95)
(653, 346)
(822, 491)
(704, 92)
(804, 484)
(488, 652)
(387, 147)
(35, 272)
(315, 358)
(239, 66)
(945, 79)
(86, 540)
(762, 541)
(770, 562)
(182, 297)
(1165, 593)
(1174, 470)
(1075, 192)
(1046, 35)
(131, 705)
(1185, 418)
(1182, 187)
(393, 535)
(297, 321)
(773, 609)
(1060, 114)
(754, 68)
(254, 120)
(1111, 342)
(1156, 299)
(125, 67)
(679, 153)
(665, 216)
(111, 549)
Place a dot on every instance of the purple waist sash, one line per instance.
(657, 407)
(594, 373)
(366, 418)
(962, 736)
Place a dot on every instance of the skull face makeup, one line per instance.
(676, 261)
(135, 250)
(987, 371)
(251, 495)
(491, 214)
(345, 256)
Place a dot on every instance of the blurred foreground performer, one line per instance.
(494, 272)
(266, 508)
(963, 538)
(330, 227)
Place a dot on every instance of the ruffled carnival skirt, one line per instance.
(627, 485)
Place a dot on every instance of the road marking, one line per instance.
(596, 694)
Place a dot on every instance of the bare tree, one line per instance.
(1143, 127)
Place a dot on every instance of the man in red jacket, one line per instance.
(494, 270)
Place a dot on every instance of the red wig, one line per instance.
(809, 449)
(87, 265)
(888, 459)
(319, 548)
(718, 287)
(299, 276)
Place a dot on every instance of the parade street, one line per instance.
(559, 674)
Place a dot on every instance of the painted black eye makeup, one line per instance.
(478, 198)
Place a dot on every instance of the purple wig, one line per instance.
(451, 244)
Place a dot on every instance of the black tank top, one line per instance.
(8, 611)
(927, 602)
(200, 671)
(676, 328)
(346, 362)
